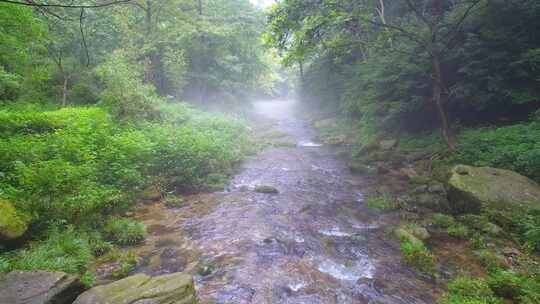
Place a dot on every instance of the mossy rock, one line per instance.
(433, 201)
(473, 189)
(12, 223)
(405, 236)
(176, 288)
(388, 144)
(358, 167)
(418, 231)
(266, 189)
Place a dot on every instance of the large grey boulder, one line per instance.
(473, 189)
(39, 287)
(176, 288)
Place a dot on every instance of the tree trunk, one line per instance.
(440, 98)
(301, 65)
(64, 91)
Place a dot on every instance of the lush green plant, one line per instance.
(490, 260)
(417, 255)
(123, 231)
(513, 147)
(515, 286)
(126, 263)
(465, 290)
(68, 251)
(443, 220)
(530, 229)
(459, 231)
(477, 241)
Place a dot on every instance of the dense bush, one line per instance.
(465, 290)
(514, 147)
(78, 166)
(417, 255)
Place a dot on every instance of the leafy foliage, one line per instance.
(470, 291)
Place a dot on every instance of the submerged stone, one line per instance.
(266, 189)
(176, 288)
(473, 189)
(387, 144)
(39, 287)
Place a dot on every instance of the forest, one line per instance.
(113, 109)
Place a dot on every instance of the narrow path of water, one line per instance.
(314, 242)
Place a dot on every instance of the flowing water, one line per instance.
(314, 242)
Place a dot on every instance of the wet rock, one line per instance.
(12, 224)
(266, 189)
(176, 288)
(39, 287)
(473, 189)
(387, 144)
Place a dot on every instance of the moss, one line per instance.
(12, 223)
(420, 180)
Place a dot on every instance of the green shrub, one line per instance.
(515, 286)
(383, 202)
(458, 231)
(477, 241)
(126, 264)
(530, 229)
(513, 147)
(443, 220)
(123, 231)
(464, 290)
(417, 255)
(490, 260)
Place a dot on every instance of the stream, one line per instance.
(314, 242)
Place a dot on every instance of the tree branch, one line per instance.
(36, 4)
